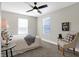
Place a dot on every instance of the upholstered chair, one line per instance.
(62, 44)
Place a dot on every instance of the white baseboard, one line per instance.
(49, 41)
(55, 43)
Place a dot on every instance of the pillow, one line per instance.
(67, 37)
(70, 37)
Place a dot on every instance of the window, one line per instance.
(46, 25)
(22, 26)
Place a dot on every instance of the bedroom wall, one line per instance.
(13, 22)
(0, 29)
(67, 14)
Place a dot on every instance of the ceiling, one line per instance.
(22, 7)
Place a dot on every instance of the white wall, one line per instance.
(0, 29)
(68, 14)
(13, 22)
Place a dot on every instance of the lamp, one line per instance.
(4, 24)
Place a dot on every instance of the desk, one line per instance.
(8, 47)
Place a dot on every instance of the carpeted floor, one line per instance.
(47, 50)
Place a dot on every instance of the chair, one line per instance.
(62, 45)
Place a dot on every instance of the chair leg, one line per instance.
(62, 50)
(74, 51)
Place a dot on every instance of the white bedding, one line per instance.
(22, 45)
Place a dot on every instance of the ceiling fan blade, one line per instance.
(43, 6)
(39, 11)
(29, 10)
(30, 5)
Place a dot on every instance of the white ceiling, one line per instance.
(22, 7)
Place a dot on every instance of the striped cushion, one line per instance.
(70, 37)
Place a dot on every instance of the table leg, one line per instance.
(6, 53)
(11, 52)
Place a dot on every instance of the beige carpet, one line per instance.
(47, 50)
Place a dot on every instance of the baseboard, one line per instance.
(55, 43)
(49, 41)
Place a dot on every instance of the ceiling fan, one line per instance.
(37, 8)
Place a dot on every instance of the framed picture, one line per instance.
(65, 26)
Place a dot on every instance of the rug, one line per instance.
(47, 50)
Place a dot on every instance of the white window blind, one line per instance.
(46, 25)
(22, 26)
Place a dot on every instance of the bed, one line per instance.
(22, 46)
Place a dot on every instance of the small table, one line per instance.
(8, 47)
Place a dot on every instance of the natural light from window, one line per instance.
(46, 25)
(22, 26)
